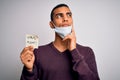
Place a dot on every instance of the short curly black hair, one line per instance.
(59, 5)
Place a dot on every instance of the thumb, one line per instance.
(31, 48)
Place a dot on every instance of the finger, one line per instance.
(73, 31)
(67, 37)
(26, 58)
(27, 53)
(31, 48)
(28, 48)
(24, 50)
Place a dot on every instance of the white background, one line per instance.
(97, 24)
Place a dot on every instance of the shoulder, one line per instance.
(84, 49)
(43, 48)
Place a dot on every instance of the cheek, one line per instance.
(58, 22)
(71, 21)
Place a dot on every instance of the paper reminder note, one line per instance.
(32, 40)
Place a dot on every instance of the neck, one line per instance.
(59, 44)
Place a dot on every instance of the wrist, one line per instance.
(30, 70)
(72, 47)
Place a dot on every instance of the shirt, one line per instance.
(51, 64)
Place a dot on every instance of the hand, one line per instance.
(71, 40)
(27, 57)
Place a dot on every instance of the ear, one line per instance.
(51, 24)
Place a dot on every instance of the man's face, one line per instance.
(62, 17)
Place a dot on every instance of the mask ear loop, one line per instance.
(53, 24)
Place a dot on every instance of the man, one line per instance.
(62, 59)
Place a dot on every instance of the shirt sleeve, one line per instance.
(26, 75)
(85, 66)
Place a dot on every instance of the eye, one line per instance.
(69, 14)
(59, 15)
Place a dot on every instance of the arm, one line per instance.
(30, 70)
(29, 75)
(85, 67)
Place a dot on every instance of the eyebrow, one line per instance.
(69, 13)
(58, 14)
(62, 13)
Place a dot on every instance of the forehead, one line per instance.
(61, 10)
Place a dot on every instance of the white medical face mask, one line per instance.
(63, 31)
